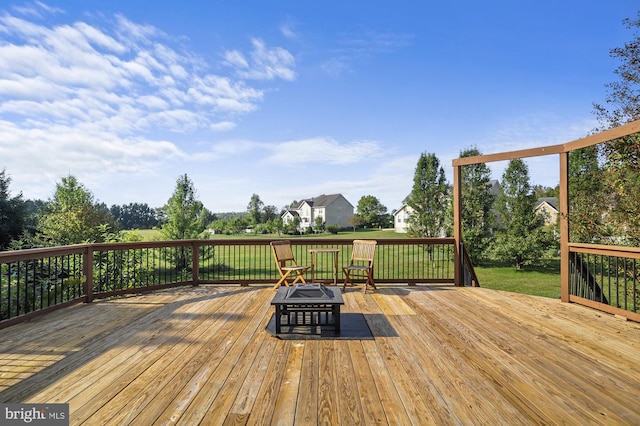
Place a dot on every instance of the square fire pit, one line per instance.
(308, 304)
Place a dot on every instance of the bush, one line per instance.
(333, 229)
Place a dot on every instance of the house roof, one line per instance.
(291, 212)
(552, 201)
(321, 201)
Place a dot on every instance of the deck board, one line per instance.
(440, 355)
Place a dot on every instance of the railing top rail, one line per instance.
(39, 253)
(603, 248)
(36, 253)
(263, 242)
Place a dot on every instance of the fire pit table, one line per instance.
(308, 304)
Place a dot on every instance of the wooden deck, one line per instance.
(441, 355)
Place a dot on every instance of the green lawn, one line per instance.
(154, 234)
(541, 279)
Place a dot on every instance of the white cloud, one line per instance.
(264, 63)
(103, 100)
(222, 126)
(322, 151)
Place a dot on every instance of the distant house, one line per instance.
(334, 210)
(401, 218)
(548, 207)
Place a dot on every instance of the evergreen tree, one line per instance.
(522, 238)
(185, 214)
(12, 213)
(185, 219)
(428, 198)
(254, 209)
(477, 201)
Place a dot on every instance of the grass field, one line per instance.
(155, 234)
(540, 279)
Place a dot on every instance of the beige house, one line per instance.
(548, 208)
(334, 209)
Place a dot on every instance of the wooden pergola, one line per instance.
(562, 150)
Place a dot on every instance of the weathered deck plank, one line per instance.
(440, 355)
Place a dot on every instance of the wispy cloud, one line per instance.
(288, 30)
(322, 151)
(263, 63)
(356, 47)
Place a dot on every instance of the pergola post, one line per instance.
(457, 225)
(564, 227)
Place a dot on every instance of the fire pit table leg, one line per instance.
(336, 317)
(278, 319)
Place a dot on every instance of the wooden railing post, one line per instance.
(87, 273)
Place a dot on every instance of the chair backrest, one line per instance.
(363, 251)
(282, 252)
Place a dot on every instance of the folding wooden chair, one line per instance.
(286, 263)
(361, 264)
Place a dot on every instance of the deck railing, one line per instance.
(606, 278)
(35, 281)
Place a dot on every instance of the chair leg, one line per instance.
(299, 278)
(283, 279)
(347, 280)
(369, 282)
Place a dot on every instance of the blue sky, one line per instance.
(291, 99)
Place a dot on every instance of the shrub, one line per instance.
(333, 229)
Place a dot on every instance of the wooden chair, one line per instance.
(361, 264)
(286, 263)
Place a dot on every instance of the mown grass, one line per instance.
(155, 234)
(539, 279)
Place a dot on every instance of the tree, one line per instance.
(254, 209)
(478, 220)
(545, 191)
(12, 213)
(318, 224)
(371, 212)
(185, 218)
(587, 196)
(184, 212)
(622, 156)
(522, 238)
(135, 216)
(624, 94)
(428, 198)
(72, 216)
(270, 213)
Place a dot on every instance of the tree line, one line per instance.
(73, 216)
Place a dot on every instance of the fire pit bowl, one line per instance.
(309, 291)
